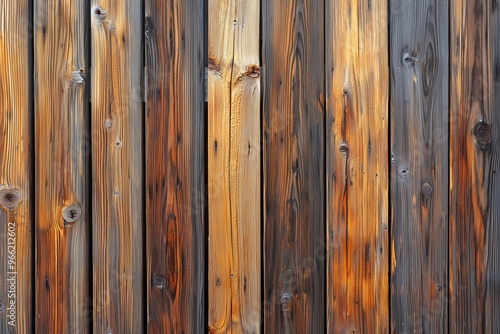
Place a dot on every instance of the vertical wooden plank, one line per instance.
(234, 166)
(357, 166)
(117, 172)
(293, 102)
(61, 162)
(16, 204)
(419, 146)
(474, 165)
(175, 166)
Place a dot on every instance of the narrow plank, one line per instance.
(357, 86)
(474, 295)
(234, 166)
(175, 166)
(61, 165)
(16, 198)
(419, 146)
(294, 182)
(117, 172)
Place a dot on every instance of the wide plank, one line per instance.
(357, 88)
(16, 169)
(234, 191)
(474, 295)
(117, 167)
(293, 57)
(175, 166)
(419, 165)
(62, 154)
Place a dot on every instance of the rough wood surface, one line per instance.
(16, 188)
(294, 195)
(234, 166)
(117, 167)
(474, 293)
(175, 169)
(419, 165)
(61, 166)
(357, 166)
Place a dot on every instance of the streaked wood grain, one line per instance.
(294, 176)
(419, 145)
(357, 86)
(61, 166)
(175, 167)
(234, 166)
(117, 167)
(474, 294)
(16, 166)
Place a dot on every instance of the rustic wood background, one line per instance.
(249, 166)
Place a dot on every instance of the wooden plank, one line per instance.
(474, 186)
(419, 169)
(234, 166)
(294, 195)
(357, 86)
(16, 201)
(117, 172)
(61, 165)
(175, 166)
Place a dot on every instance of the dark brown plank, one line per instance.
(474, 293)
(117, 167)
(175, 166)
(419, 169)
(16, 168)
(61, 166)
(357, 82)
(294, 197)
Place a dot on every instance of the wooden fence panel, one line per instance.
(175, 166)
(117, 167)
(61, 166)
(16, 188)
(294, 188)
(474, 186)
(419, 169)
(234, 166)
(357, 166)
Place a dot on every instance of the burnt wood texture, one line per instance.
(419, 51)
(293, 52)
(175, 245)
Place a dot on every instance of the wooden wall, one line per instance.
(249, 166)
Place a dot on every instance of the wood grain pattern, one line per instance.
(294, 195)
(61, 166)
(117, 167)
(16, 194)
(419, 147)
(474, 163)
(175, 166)
(234, 166)
(357, 166)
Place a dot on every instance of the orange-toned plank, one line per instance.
(16, 188)
(175, 167)
(61, 166)
(117, 172)
(357, 80)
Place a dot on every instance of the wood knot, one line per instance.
(148, 25)
(71, 213)
(482, 132)
(426, 192)
(253, 71)
(98, 13)
(409, 60)
(10, 198)
(78, 77)
(213, 65)
(159, 281)
(285, 298)
(344, 149)
(404, 171)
